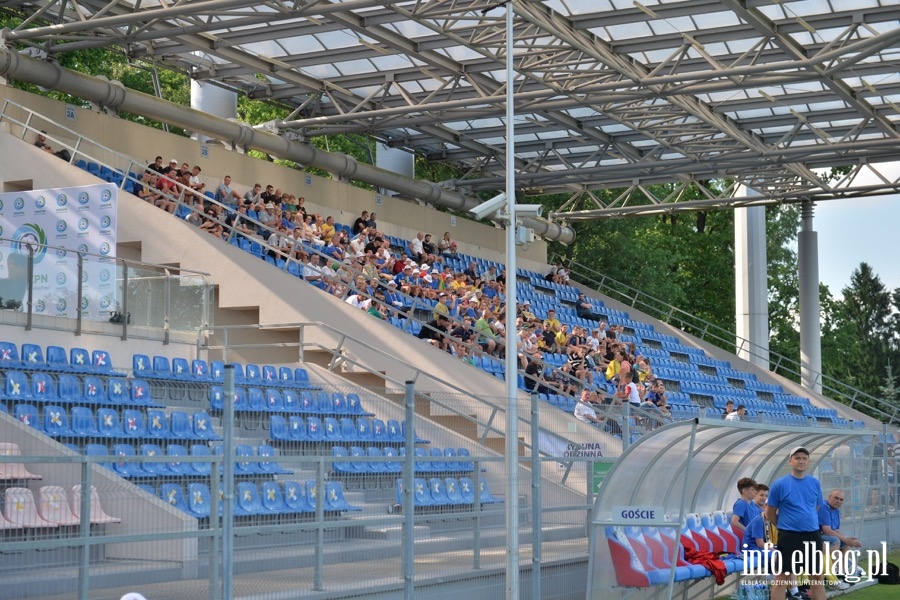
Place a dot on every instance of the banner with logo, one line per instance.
(60, 223)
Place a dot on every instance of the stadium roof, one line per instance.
(608, 93)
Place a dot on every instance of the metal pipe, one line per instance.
(228, 485)
(408, 506)
(114, 95)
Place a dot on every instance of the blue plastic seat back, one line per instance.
(438, 492)
(180, 425)
(311, 493)
(454, 493)
(392, 466)
(278, 429)
(324, 404)
(140, 393)
(379, 431)
(108, 422)
(268, 460)
(339, 403)
(376, 466)
(27, 414)
(256, 400)
(216, 397)
(9, 355)
(57, 358)
(285, 376)
(244, 464)
(298, 428)
(247, 498)
(16, 386)
(43, 388)
(301, 378)
(174, 452)
(274, 400)
(173, 495)
(161, 367)
(270, 375)
(307, 403)
(272, 498)
(56, 421)
(155, 451)
(314, 429)
(180, 368)
(253, 374)
(364, 429)
(199, 501)
(340, 466)
(101, 361)
(98, 450)
(334, 497)
(394, 431)
(201, 468)
(437, 462)
(421, 493)
(141, 365)
(291, 401)
(217, 371)
(332, 429)
(295, 497)
(354, 405)
(202, 425)
(133, 424)
(69, 388)
(158, 424)
(117, 390)
(94, 390)
(348, 428)
(83, 422)
(200, 370)
(125, 468)
(33, 356)
(467, 490)
(240, 399)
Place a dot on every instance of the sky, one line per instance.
(855, 231)
(859, 230)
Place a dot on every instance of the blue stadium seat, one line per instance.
(58, 360)
(298, 428)
(174, 452)
(43, 389)
(247, 500)
(103, 363)
(202, 426)
(156, 468)
(117, 390)
(108, 423)
(125, 468)
(16, 386)
(272, 498)
(173, 495)
(56, 422)
(94, 390)
(141, 366)
(70, 389)
(295, 497)
(278, 429)
(27, 414)
(270, 467)
(9, 356)
(83, 422)
(33, 357)
(199, 502)
(179, 426)
(334, 497)
(158, 425)
(201, 468)
(133, 425)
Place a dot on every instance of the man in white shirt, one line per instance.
(415, 248)
(360, 301)
(583, 411)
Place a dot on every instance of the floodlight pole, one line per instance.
(512, 416)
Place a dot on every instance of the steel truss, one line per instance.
(609, 94)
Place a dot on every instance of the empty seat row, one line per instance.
(198, 371)
(107, 423)
(52, 509)
(42, 387)
(447, 492)
(437, 461)
(276, 499)
(77, 360)
(347, 429)
(288, 401)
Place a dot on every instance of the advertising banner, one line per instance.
(58, 224)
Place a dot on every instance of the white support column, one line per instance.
(810, 325)
(212, 100)
(396, 161)
(751, 287)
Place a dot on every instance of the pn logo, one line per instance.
(19, 203)
(84, 303)
(105, 195)
(61, 305)
(104, 275)
(105, 302)
(62, 200)
(105, 222)
(61, 252)
(83, 198)
(39, 306)
(61, 226)
(30, 234)
(104, 248)
(61, 279)
(84, 277)
(40, 202)
(82, 248)
(82, 224)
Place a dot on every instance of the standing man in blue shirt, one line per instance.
(793, 506)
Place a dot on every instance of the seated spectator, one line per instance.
(326, 230)
(371, 224)
(357, 245)
(578, 367)
(146, 189)
(211, 223)
(628, 391)
(194, 184)
(583, 410)
(416, 251)
(157, 166)
(360, 224)
(360, 300)
(430, 250)
(551, 327)
(729, 408)
(585, 310)
(435, 331)
(172, 169)
(487, 338)
(314, 271)
(225, 195)
(446, 246)
(166, 188)
(377, 308)
(393, 299)
(44, 145)
(462, 338)
(253, 195)
(738, 415)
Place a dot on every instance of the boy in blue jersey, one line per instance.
(792, 505)
(743, 511)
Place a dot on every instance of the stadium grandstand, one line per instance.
(224, 377)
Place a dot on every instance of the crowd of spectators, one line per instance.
(467, 307)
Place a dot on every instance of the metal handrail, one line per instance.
(721, 337)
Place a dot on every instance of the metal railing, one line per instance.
(727, 340)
